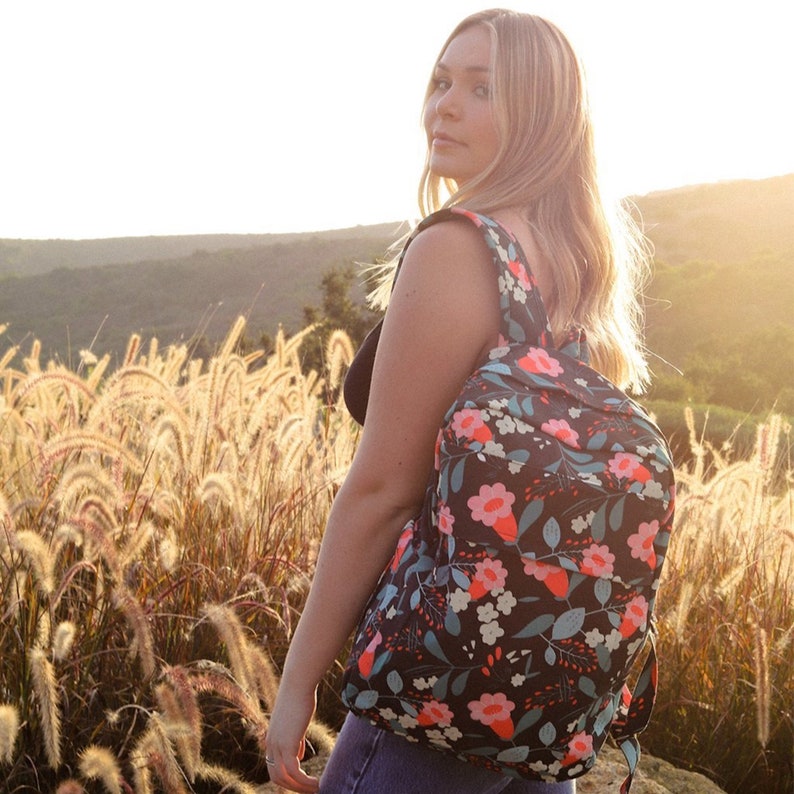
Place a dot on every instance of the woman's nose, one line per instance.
(448, 104)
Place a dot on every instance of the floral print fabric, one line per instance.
(503, 628)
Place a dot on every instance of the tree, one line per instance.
(339, 311)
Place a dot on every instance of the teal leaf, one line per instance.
(528, 720)
(452, 623)
(456, 478)
(530, 515)
(616, 516)
(513, 755)
(551, 533)
(598, 441)
(587, 685)
(459, 684)
(394, 682)
(547, 733)
(537, 626)
(431, 644)
(568, 624)
(366, 699)
(598, 524)
(603, 590)
(440, 687)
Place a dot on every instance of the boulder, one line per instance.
(653, 776)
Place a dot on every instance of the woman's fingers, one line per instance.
(288, 774)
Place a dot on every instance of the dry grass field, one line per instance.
(158, 528)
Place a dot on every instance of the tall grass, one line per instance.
(158, 528)
(726, 704)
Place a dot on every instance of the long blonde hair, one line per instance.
(546, 168)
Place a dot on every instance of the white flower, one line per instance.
(613, 640)
(506, 602)
(407, 721)
(497, 405)
(495, 353)
(579, 524)
(387, 714)
(518, 679)
(580, 381)
(574, 413)
(523, 427)
(506, 425)
(519, 295)
(452, 733)
(555, 768)
(491, 632)
(594, 638)
(391, 612)
(635, 645)
(435, 736)
(538, 766)
(514, 466)
(459, 600)
(491, 447)
(421, 684)
(653, 490)
(486, 613)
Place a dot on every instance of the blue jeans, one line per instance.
(368, 760)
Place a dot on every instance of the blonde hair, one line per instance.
(546, 168)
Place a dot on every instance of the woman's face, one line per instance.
(461, 132)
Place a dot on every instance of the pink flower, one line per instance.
(641, 542)
(637, 611)
(435, 713)
(468, 423)
(402, 544)
(597, 561)
(562, 431)
(491, 573)
(492, 503)
(580, 746)
(494, 711)
(445, 519)
(554, 577)
(624, 464)
(491, 707)
(520, 272)
(538, 360)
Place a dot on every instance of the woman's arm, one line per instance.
(442, 319)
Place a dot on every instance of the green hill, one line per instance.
(176, 297)
(719, 305)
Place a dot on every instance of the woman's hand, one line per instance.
(286, 739)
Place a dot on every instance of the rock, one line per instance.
(653, 776)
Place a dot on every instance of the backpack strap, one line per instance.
(634, 713)
(524, 318)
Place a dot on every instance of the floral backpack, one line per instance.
(506, 624)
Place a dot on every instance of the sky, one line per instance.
(154, 117)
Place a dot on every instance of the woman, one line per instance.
(509, 136)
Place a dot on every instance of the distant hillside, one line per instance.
(69, 309)
(723, 278)
(29, 257)
(727, 222)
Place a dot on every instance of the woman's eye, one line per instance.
(482, 91)
(441, 83)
